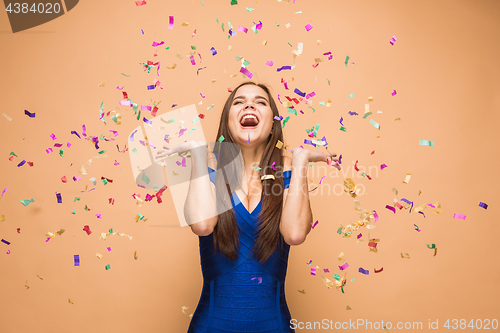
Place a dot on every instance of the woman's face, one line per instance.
(250, 115)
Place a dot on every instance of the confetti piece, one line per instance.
(59, 198)
(279, 144)
(302, 291)
(259, 279)
(214, 52)
(346, 60)
(351, 95)
(459, 216)
(416, 227)
(405, 256)
(6, 242)
(383, 166)
(140, 3)
(283, 68)
(6, 116)
(407, 179)
(31, 115)
(27, 202)
(426, 143)
(391, 208)
(348, 308)
(308, 27)
(481, 204)
(378, 271)
(87, 229)
(77, 260)
(313, 271)
(321, 179)
(344, 266)
(246, 72)
(366, 272)
(171, 22)
(374, 124)
(315, 224)
(393, 40)
(221, 138)
(108, 267)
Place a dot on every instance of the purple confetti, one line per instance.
(6, 242)
(391, 208)
(483, 205)
(31, 115)
(366, 272)
(353, 113)
(300, 93)
(77, 260)
(344, 266)
(59, 198)
(283, 68)
(21, 164)
(76, 133)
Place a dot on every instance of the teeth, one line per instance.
(249, 116)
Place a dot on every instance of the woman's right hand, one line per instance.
(179, 148)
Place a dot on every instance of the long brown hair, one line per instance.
(225, 234)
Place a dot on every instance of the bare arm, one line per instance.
(199, 208)
(296, 217)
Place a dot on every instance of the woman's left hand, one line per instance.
(316, 156)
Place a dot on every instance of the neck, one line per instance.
(252, 154)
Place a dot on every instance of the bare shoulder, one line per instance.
(287, 163)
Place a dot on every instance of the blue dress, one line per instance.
(232, 299)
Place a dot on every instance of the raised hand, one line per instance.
(179, 148)
(316, 156)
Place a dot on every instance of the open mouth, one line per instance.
(249, 121)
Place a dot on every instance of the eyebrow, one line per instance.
(258, 96)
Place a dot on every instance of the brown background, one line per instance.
(444, 67)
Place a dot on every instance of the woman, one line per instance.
(246, 227)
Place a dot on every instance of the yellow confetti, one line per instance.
(319, 42)
(213, 80)
(70, 301)
(102, 84)
(2, 218)
(279, 144)
(135, 255)
(341, 257)
(7, 117)
(318, 59)
(41, 278)
(348, 308)
(397, 119)
(419, 192)
(175, 173)
(185, 24)
(178, 55)
(264, 42)
(386, 329)
(229, 47)
(367, 108)
(405, 255)
(302, 291)
(408, 176)
(328, 103)
(83, 171)
(267, 177)
(370, 99)
(26, 285)
(173, 67)
(98, 255)
(351, 187)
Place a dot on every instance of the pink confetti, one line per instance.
(68, 145)
(194, 33)
(269, 63)
(399, 205)
(202, 95)
(316, 64)
(4, 190)
(344, 266)
(8, 252)
(109, 249)
(359, 236)
(321, 179)
(393, 93)
(53, 136)
(459, 216)
(383, 166)
(310, 95)
(259, 279)
(246, 72)
(84, 131)
(272, 165)
(326, 270)
(140, 3)
(375, 215)
(116, 163)
(192, 60)
(315, 223)
(49, 150)
(308, 26)
(48, 238)
(76, 178)
(98, 216)
(391, 208)
(431, 205)
(155, 44)
(171, 24)
(313, 271)
(240, 28)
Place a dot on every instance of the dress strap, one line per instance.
(286, 178)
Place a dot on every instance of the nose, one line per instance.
(250, 105)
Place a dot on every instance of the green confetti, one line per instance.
(342, 128)
(346, 60)
(246, 63)
(250, 9)
(234, 2)
(290, 45)
(352, 279)
(86, 208)
(114, 119)
(256, 168)
(171, 120)
(12, 153)
(111, 230)
(211, 106)
(61, 152)
(426, 143)
(328, 81)
(316, 130)
(277, 24)
(139, 115)
(375, 124)
(104, 181)
(238, 58)
(221, 138)
(101, 152)
(145, 178)
(222, 26)
(366, 115)
(351, 95)
(336, 276)
(339, 230)
(290, 110)
(125, 75)
(193, 47)
(108, 267)
(202, 3)
(190, 133)
(195, 119)
(74, 211)
(284, 121)
(134, 150)
(167, 48)
(431, 247)
(321, 103)
(76, 198)
(27, 202)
